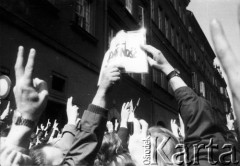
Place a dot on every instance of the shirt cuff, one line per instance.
(98, 110)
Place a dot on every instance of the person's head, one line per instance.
(111, 152)
(46, 154)
(161, 124)
(163, 144)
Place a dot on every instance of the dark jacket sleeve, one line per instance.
(68, 135)
(197, 115)
(124, 135)
(89, 137)
(201, 123)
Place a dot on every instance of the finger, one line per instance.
(19, 71)
(150, 49)
(221, 45)
(136, 126)
(41, 87)
(144, 125)
(114, 79)
(151, 61)
(75, 107)
(30, 65)
(123, 106)
(8, 105)
(18, 159)
(115, 73)
(69, 101)
(10, 158)
(114, 69)
(128, 106)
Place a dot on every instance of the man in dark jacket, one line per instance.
(206, 139)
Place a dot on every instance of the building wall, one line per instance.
(71, 54)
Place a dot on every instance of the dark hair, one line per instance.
(37, 154)
(111, 152)
(161, 124)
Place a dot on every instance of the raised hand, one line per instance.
(109, 126)
(229, 61)
(110, 75)
(6, 112)
(48, 125)
(46, 134)
(229, 122)
(48, 122)
(131, 115)
(42, 127)
(125, 112)
(116, 124)
(136, 141)
(182, 127)
(30, 94)
(55, 125)
(72, 112)
(37, 131)
(158, 61)
(174, 128)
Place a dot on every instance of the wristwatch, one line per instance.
(20, 121)
(174, 73)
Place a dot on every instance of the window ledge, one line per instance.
(85, 35)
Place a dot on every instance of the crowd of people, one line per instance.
(201, 138)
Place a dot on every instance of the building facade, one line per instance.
(71, 37)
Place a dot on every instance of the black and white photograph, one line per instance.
(119, 82)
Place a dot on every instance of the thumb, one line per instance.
(41, 87)
(151, 61)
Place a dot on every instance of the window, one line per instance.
(83, 15)
(152, 9)
(141, 16)
(164, 82)
(160, 18)
(194, 81)
(4, 71)
(144, 79)
(182, 49)
(129, 5)
(221, 90)
(155, 76)
(225, 107)
(187, 54)
(166, 27)
(226, 93)
(178, 43)
(172, 35)
(58, 83)
(180, 11)
(194, 56)
(202, 89)
(160, 79)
